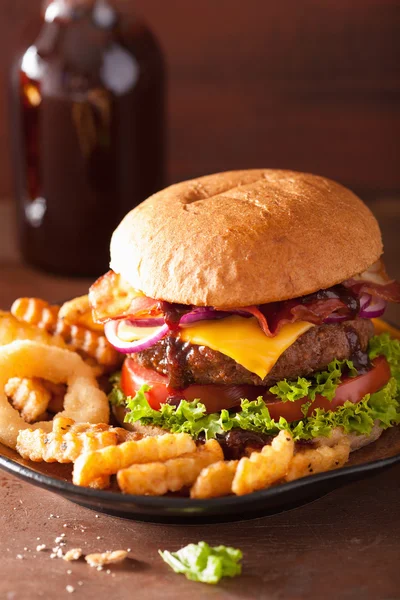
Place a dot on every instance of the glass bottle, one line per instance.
(88, 130)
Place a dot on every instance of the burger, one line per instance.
(246, 302)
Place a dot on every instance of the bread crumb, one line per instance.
(19, 556)
(40, 547)
(106, 558)
(60, 539)
(73, 554)
(70, 589)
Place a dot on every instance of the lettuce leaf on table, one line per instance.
(201, 562)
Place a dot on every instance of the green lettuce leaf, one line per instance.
(201, 562)
(359, 418)
(323, 383)
(191, 417)
(384, 345)
(187, 417)
(116, 396)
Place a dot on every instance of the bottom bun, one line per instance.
(119, 413)
(356, 441)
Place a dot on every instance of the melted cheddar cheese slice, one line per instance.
(243, 340)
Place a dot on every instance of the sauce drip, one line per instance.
(175, 350)
(359, 358)
(176, 365)
(239, 442)
(173, 313)
(340, 292)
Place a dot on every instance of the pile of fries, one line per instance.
(156, 465)
(50, 359)
(71, 327)
(52, 410)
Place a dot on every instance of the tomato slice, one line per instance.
(133, 376)
(352, 388)
(215, 397)
(218, 397)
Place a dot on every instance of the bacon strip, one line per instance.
(388, 291)
(314, 308)
(255, 312)
(111, 297)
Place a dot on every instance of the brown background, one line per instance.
(300, 83)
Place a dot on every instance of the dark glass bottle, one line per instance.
(88, 128)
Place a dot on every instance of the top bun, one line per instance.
(245, 237)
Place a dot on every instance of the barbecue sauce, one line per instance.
(175, 350)
(239, 442)
(359, 358)
(350, 301)
(176, 363)
(341, 303)
(173, 313)
(88, 127)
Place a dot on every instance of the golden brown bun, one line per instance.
(245, 237)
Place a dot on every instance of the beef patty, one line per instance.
(186, 364)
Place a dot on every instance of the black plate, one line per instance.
(57, 478)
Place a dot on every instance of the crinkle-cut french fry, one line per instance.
(264, 468)
(94, 344)
(36, 312)
(12, 329)
(91, 343)
(157, 478)
(84, 401)
(215, 480)
(108, 461)
(61, 425)
(29, 396)
(101, 483)
(79, 312)
(318, 460)
(57, 393)
(66, 441)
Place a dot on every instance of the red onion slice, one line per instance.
(370, 307)
(375, 308)
(365, 301)
(111, 333)
(202, 314)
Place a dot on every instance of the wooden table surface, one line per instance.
(345, 545)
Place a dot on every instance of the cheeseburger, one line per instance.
(245, 304)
